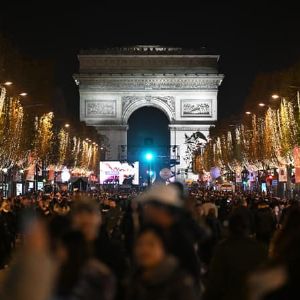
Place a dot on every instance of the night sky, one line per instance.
(251, 38)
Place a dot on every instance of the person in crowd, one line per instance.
(158, 274)
(163, 207)
(32, 274)
(86, 218)
(7, 232)
(208, 205)
(265, 223)
(43, 207)
(215, 231)
(285, 251)
(113, 220)
(81, 276)
(61, 206)
(242, 208)
(291, 204)
(234, 258)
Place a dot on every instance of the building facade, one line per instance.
(114, 83)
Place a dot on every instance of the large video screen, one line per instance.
(116, 172)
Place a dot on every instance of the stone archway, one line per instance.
(164, 103)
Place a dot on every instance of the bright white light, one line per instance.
(7, 83)
(4, 170)
(275, 96)
(23, 94)
(261, 104)
(65, 175)
(149, 156)
(248, 112)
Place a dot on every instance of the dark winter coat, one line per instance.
(167, 282)
(234, 259)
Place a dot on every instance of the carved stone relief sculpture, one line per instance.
(100, 108)
(196, 108)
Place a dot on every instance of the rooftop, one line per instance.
(146, 50)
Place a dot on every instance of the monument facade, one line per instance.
(114, 83)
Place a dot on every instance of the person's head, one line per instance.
(112, 204)
(86, 218)
(26, 201)
(199, 209)
(211, 213)
(179, 187)
(161, 205)
(242, 202)
(5, 206)
(150, 247)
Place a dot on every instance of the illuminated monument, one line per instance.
(113, 83)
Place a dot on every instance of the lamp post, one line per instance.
(149, 158)
(4, 180)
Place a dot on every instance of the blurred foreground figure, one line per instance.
(158, 275)
(7, 232)
(86, 218)
(281, 279)
(163, 207)
(32, 275)
(233, 261)
(81, 276)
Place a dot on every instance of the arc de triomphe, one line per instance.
(113, 83)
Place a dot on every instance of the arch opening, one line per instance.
(149, 132)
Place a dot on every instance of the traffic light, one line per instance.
(149, 156)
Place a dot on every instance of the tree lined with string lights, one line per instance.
(265, 140)
(25, 140)
(267, 134)
(11, 122)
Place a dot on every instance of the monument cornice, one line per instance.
(149, 82)
(151, 63)
(144, 50)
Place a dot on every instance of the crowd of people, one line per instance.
(167, 242)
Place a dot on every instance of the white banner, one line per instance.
(282, 174)
(238, 177)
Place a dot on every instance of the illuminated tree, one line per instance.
(44, 136)
(63, 138)
(11, 122)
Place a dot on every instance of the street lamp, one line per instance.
(262, 104)
(4, 181)
(275, 96)
(67, 125)
(248, 112)
(7, 83)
